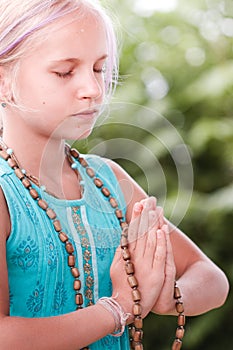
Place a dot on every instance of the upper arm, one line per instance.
(4, 233)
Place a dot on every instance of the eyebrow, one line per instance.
(76, 60)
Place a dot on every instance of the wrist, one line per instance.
(119, 316)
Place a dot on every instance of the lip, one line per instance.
(87, 114)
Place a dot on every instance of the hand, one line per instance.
(148, 253)
(165, 303)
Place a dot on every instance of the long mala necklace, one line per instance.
(136, 333)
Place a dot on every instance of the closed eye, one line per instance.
(64, 74)
(100, 66)
(100, 70)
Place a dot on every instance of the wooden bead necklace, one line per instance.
(136, 333)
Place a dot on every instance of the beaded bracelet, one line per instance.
(120, 317)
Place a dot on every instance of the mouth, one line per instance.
(86, 114)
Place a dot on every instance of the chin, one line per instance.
(77, 135)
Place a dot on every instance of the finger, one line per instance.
(161, 221)
(170, 269)
(159, 260)
(147, 219)
(134, 225)
(154, 221)
(148, 204)
(150, 246)
(137, 208)
(144, 223)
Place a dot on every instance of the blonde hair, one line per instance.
(23, 23)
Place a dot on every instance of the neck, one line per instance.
(41, 158)
(42, 155)
(37, 156)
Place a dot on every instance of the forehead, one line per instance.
(76, 34)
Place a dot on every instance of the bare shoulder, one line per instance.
(5, 217)
(132, 191)
(4, 233)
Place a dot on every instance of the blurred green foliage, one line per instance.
(177, 67)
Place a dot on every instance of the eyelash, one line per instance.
(64, 75)
(101, 70)
(69, 73)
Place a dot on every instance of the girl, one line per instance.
(62, 215)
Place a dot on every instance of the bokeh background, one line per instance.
(175, 101)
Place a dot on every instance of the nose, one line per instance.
(90, 86)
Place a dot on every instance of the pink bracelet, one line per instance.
(120, 317)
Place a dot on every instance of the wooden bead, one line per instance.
(63, 237)
(77, 285)
(51, 214)
(119, 214)
(137, 309)
(177, 344)
(12, 163)
(125, 254)
(129, 268)
(124, 242)
(26, 182)
(34, 194)
(75, 272)
(98, 183)
(125, 229)
(138, 347)
(181, 320)
(124, 225)
(4, 154)
(179, 307)
(136, 295)
(105, 191)
(57, 225)
(177, 294)
(42, 204)
(70, 159)
(74, 153)
(113, 202)
(180, 333)
(69, 248)
(132, 281)
(83, 162)
(138, 322)
(78, 299)
(19, 173)
(90, 172)
(138, 335)
(71, 260)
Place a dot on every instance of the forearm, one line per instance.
(70, 331)
(204, 287)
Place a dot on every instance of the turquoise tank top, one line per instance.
(40, 281)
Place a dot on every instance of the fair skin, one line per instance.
(61, 88)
